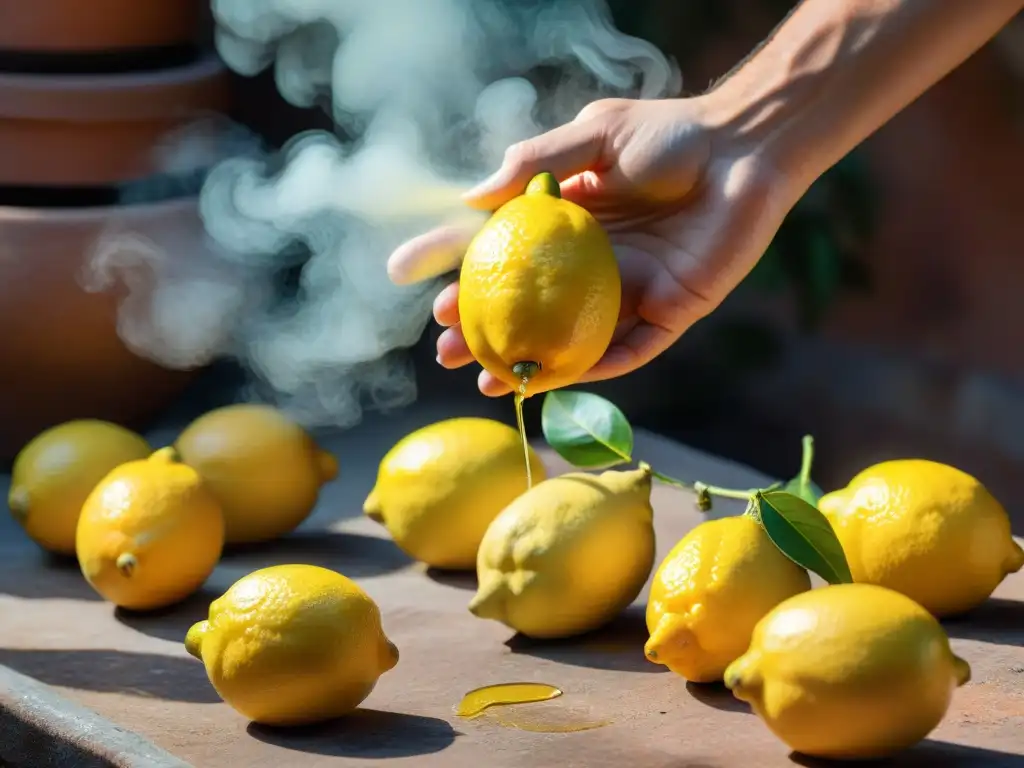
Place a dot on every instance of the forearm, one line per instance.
(836, 70)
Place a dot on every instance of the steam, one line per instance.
(427, 95)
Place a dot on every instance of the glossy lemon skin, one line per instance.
(709, 593)
(293, 645)
(262, 466)
(539, 283)
(849, 671)
(568, 555)
(54, 473)
(927, 530)
(439, 488)
(150, 533)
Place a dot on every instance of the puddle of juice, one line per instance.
(476, 701)
(547, 723)
(519, 398)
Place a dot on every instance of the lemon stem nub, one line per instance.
(962, 670)
(18, 502)
(194, 639)
(544, 184)
(168, 453)
(489, 601)
(327, 464)
(372, 507)
(525, 370)
(126, 564)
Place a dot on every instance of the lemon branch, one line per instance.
(702, 488)
(806, 460)
(591, 433)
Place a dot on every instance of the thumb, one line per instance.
(564, 152)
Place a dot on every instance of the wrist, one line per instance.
(762, 112)
(749, 131)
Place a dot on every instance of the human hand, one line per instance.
(688, 210)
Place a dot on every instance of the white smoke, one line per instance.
(427, 95)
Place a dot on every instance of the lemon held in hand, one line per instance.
(265, 469)
(709, 593)
(568, 555)
(55, 472)
(293, 645)
(539, 290)
(927, 530)
(150, 533)
(440, 487)
(851, 671)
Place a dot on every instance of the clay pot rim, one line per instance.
(157, 93)
(101, 214)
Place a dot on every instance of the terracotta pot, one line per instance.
(93, 130)
(60, 350)
(78, 26)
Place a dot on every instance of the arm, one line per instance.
(834, 72)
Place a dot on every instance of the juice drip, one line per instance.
(476, 701)
(519, 398)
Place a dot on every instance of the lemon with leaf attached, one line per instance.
(539, 290)
(709, 593)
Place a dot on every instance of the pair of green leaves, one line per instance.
(592, 433)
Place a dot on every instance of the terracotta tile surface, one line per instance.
(133, 670)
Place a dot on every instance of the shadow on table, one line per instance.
(366, 733)
(352, 554)
(458, 579)
(618, 646)
(40, 575)
(171, 623)
(717, 696)
(147, 675)
(997, 620)
(928, 754)
(349, 553)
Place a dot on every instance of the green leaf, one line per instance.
(586, 430)
(804, 535)
(807, 490)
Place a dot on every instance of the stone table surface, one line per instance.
(133, 669)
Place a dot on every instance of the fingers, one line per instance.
(429, 255)
(446, 305)
(452, 350)
(491, 386)
(565, 151)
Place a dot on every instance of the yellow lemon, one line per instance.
(927, 530)
(710, 592)
(55, 472)
(440, 487)
(263, 467)
(150, 533)
(293, 645)
(851, 671)
(568, 555)
(539, 290)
